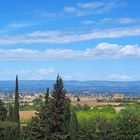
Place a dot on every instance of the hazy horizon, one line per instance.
(73, 80)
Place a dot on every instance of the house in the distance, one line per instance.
(118, 96)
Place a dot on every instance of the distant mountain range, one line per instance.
(87, 87)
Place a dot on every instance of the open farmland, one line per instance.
(92, 102)
(26, 116)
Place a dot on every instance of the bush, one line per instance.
(127, 123)
(3, 111)
(96, 124)
(8, 130)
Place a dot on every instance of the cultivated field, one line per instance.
(26, 116)
(92, 102)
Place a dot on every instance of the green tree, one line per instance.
(86, 129)
(78, 99)
(11, 113)
(16, 104)
(35, 129)
(127, 123)
(103, 128)
(3, 111)
(52, 120)
(73, 128)
(58, 114)
(47, 96)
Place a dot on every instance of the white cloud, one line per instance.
(101, 51)
(127, 20)
(61, 37)
(45, 72)
(91, 4)
(90, 8)
(43, 13)
(29, 74)
(69, 9)
(75, 75)
(119, 77)
(113, 21)
(123, 20)
(18, 25)
(88, 22)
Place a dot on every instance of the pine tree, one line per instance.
(52, 120)
(78, 99)
(73, 128)
(16, 104)
(35, 129)
(3, 111)
(58, 114)
(47, 96)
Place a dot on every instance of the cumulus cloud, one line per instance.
(61, 37)
(101, 51)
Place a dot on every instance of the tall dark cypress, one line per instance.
(16, 105)
(47, 96)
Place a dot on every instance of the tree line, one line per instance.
(57, 119)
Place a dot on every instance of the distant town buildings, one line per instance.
(118, 96)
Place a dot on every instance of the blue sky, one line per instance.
(80, 40)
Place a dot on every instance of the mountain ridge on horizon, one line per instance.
(33, 86)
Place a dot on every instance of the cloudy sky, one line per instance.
(80, 40)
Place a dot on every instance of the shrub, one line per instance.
(3, 111)
(8, 130)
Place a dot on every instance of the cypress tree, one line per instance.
(16, 104)
(47, 96)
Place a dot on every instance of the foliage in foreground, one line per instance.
(8, 130)
(55, 122)
(107, 125)
(52, 122)
(3, 111)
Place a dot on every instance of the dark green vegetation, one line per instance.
(10, 123)
(3, 111)
(16, 104)
(105, 124)
(57, 119)
(53, 118)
